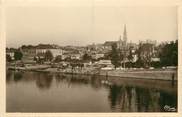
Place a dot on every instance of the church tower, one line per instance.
(124, 45)
(125, 36)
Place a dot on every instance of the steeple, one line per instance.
(124, 44)
(125, 34)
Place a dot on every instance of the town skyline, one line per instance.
(35, 25)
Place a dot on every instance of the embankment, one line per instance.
(155, 74)
(158, 74)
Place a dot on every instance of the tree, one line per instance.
(107, 55)
(8, 58)
(145, 53)
(18, 55)
(48, 55)
(68, 59)
(87, 57)
(44, 81)
(115, 58)
(58, 59)
(169, 54)
(130, 57)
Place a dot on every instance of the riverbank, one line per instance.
(154, 74)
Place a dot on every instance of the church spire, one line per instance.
(125, 34)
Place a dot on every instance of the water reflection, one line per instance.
(95, 82)
(17, 76)
(167, 99)
(44, 81)
(136, 99)
(122, 96)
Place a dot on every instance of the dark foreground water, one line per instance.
(48, 92)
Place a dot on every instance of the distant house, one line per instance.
(104, 62)
(155, 59)
(98, 55)
(71, 54)
(76, 56)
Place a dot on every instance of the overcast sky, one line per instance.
(82, 25)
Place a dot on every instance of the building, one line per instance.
(105, 62)
(122, 43)
(42, 48)
(55, 52)
(123, 47)
(75, 56)
(72, 54)
(97, 56)
(30, 52)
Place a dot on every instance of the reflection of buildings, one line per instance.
(135, 99)
(44, 81)
(123, 99)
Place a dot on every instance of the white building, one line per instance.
(105, 62)
(55, 52)
(75, 56)
(97, 56)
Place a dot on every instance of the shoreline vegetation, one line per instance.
(169, 74)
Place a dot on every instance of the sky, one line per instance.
(83, 25)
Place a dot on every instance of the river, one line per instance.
(51, 92)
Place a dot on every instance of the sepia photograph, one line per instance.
(91, 59)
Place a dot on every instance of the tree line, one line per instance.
(167, 53)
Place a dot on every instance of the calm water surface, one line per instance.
(48, 92)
